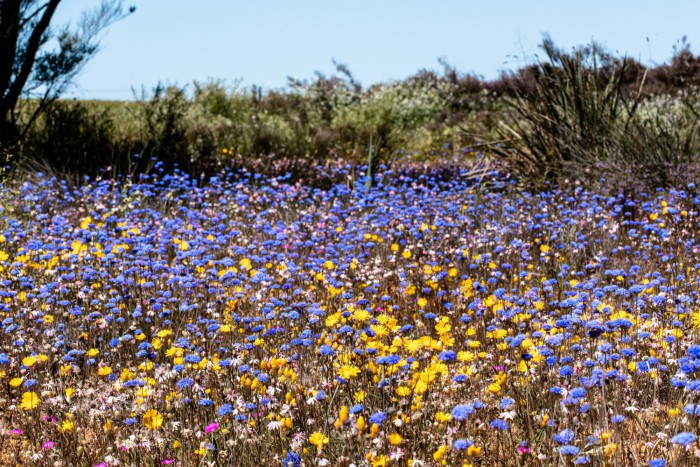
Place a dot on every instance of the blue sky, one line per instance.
(264, 41)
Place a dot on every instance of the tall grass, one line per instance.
(586, 111)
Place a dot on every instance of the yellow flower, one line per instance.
(395, 439)
(29, 401)
(422, 302)
(104, 371)
(440, 453)
(495, 387)
(609, 449)
(29, 361)
(318, 440)
(152, 419)
(361, 423)
(696, 319)
(14, 382)
(348, 371)
(443, 417)
(344, 414)
(67, 425)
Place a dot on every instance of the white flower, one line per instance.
(274, 425)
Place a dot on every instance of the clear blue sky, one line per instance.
(264, 41)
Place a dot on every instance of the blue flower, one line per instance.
(564, 436)
(506, 403)
(617, 419)
(292, 460)
(684, 438)
(377, 418)
(462, 411)
(225, 410)
(566, 370)
(462, 444)
(657, 463)
(499, 424)
(447, 356)
(569, 450)
(185, 383)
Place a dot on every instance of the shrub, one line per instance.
(577, 113)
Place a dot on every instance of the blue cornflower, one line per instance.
(224, 410)
(377, 418)
(462, 444)
(357, 408)
(499, 424)
(447, 356)
(657, 463)
(617, 418)
(506, 403)
(459, 378)
(564, 436)
(185, 383)
(462, 411)
(684, 438)
(326, 350)
(569, 450)
(129, 421)
(292, 460)
(29, 383)
(566, 370)
(388, 360)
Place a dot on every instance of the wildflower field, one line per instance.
(247, 320)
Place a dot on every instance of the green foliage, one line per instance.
(71, 138)
(583, 111)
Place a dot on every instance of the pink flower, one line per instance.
(47, 445)
(211, 427)
(166, 461)
(17, 432)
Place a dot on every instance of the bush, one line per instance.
(72, 139)
(576, 113)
